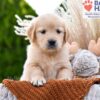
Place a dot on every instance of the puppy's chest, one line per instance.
(51, 66)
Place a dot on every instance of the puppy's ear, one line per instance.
(31, 32)
(66, 35)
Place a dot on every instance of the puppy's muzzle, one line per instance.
(52, 44)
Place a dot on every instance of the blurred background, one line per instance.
(12, 46)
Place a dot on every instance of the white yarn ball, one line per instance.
(85, 63)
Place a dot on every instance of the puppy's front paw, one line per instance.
(38, 81)
(65, 74)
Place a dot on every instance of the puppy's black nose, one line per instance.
(51, 43)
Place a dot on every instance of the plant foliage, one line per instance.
(12, 47)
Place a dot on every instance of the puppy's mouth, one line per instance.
(51, 47)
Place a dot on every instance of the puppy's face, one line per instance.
(49, 32)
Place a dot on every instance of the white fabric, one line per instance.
(94, 93)
(5, 94)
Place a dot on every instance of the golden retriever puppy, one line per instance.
(47, 54)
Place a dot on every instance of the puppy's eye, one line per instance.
(58, 31)
(43, 31)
